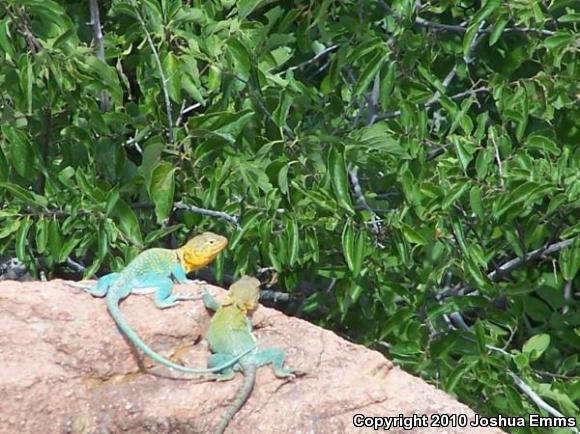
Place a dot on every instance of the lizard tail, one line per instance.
(113, 306)
(242, 396)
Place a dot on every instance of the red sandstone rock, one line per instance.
(64, 368)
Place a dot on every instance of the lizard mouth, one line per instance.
(194, 260)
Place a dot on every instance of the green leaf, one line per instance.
(457, 375)
(498, 29)
(353, 248)
(249, 221)
(465, 151)
(293, 241)
(542, 143)
(224, 125)
(9, 228)
(475, 273)
(127, 222)
(570, 260)
(22, 154)
(472, 30)
(561, 39)
(6, 40)
(173, 72)
(480, 335)
(454, 194)
(536, 345)
(246, 7)
(4, 168)
(24, 195)
(475, 202)
(41, 235)
(161, 190)
(338, 178)
(67, 247)
(413, 236)
(370, 71)
(520, 194)
(380, 138)
(387, 85)
(22, 238)
(241, 57)
(283, 179)
(54, 239)
(104, 74)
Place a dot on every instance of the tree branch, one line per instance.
(459, 28)
(164, 80)
(235, 220)
(315, 58)
(358, 194)
(527, 390)
(509, 266)
(99, 43)
(432, 102)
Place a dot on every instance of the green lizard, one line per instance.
(150, 272)
(230, 337)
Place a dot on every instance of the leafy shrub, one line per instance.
(412, 171)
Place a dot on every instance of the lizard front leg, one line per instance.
(209, 301)
(178, 273)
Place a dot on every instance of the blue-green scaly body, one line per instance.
(152, 272)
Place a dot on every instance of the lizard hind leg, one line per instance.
(219, 359)
(103, 285)
(161, 285)
(276, 357)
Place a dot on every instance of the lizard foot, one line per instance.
(185, 297)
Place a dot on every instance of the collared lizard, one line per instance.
(230, 337)
(151, 272)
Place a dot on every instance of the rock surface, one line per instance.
(64, 368)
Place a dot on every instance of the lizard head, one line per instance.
(201, 250)
(245, 293)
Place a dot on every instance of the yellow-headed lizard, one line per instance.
(151, 272)
(230, 338)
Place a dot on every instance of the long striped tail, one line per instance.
(115, 311)
(241, 397)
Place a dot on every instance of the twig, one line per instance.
(315, 58)
(79, 268)
(358, 194)
(567, 296)
(421, 22)
(184, 110)
(454, 28)
(453, 72)
(527, 390)
(99, 42)
(133, 141)
(499, 163)
(460, 28)
(431, 102)
(529, 30)
(24, 28)
(209, 212)
(164, 80)
(275, 296)
(509, 266)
